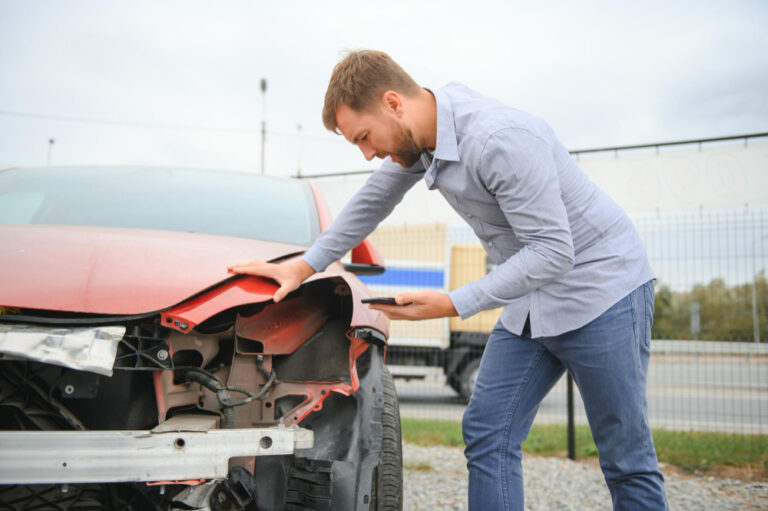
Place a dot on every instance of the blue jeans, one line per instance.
(608, 359)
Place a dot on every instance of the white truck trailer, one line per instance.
(440, 257)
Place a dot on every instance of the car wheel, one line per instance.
(468, 379)
(387, 479)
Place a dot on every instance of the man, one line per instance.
(571, 272)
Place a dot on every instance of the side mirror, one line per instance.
(366, 260)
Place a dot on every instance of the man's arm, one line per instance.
(383, 190)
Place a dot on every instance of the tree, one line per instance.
(726, 313)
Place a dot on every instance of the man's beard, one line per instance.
(406, 149)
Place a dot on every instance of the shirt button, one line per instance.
(490, 243)
(469, 215)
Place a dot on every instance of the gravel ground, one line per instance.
(435, 478)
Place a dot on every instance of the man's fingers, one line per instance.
(279, 294)
(286, 286)
(288, 276)
(250, 267)
(419, 305)
(246, 267)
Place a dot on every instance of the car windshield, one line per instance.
(210, 202)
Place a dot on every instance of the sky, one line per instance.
(177, 83)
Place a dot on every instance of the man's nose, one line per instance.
(368, 152)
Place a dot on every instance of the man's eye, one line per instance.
(364, 137)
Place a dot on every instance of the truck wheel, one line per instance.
(455, 383)
(468, 379)
(387, 483)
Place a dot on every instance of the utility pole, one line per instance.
(755, 309)
(263, 119)
(298, 153)
(50, 145)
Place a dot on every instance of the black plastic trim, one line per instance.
(88, 321)
(364, 269)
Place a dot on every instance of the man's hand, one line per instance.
(423, 305)
(289, 276)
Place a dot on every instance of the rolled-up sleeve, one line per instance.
(518, 168)
(375, 200)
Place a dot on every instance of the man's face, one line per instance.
(379, 134)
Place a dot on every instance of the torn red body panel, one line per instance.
(243, 290)
(237, 291)
(279, 328)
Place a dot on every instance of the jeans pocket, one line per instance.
(649, 296)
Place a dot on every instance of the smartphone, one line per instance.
(386, 300)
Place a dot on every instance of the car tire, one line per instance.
(387, 479)
(468, 378)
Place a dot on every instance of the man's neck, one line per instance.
(425, 120)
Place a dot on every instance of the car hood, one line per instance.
(102, 270)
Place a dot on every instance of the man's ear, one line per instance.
(392, 102)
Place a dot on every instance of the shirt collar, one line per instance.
(446, 145)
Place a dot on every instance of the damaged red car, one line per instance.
(137, 374)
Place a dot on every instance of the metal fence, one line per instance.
(709, 369)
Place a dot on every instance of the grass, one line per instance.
(691, 451)
(431, 432)
(700, 451)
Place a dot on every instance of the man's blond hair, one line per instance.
(359, 81)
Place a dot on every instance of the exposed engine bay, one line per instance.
(262, 406)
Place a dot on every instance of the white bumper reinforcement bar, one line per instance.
(123, 456)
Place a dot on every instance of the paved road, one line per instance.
(686, 393)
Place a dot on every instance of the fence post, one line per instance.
(571, 432)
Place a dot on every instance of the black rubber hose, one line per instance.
(251, 396)
(214, 385)
(228, 421)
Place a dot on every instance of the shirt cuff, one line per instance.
(317, 258)
(466, 300)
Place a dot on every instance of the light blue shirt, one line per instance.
(565, 252)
